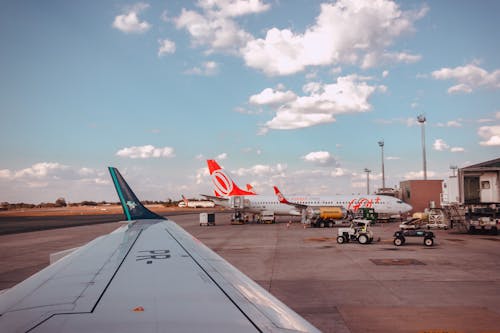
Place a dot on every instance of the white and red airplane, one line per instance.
(382, 204)
(228, 194)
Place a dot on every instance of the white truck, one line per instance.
(267, 216)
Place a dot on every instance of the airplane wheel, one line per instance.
(341, 239)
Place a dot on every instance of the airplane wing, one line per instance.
(215, 198)
(147, 276)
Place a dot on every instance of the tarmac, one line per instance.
(453, 286)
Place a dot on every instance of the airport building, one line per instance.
(421, 194)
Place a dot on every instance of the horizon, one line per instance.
(294, 94)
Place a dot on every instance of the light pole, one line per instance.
(367, 180)
(381, 144)
(453, 170)
(421, 119)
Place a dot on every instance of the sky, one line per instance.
(290, 93)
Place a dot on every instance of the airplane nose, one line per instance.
(407, 207)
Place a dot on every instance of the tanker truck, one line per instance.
(320, 217)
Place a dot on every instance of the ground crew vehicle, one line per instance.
(401, 235)
(357, 231)
(484, 224)
(267, 216)
(321, 217)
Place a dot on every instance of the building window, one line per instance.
(485, 184)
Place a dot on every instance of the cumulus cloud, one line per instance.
(166, 47)
(5, 174)
(490, 135)
(222, 156)
(261, 169)
(20, 183)
(207, 68)
(347, 31)
(441, 145)
(129, 22)
(147, 151)
(349, 94)
(40, 170)
(270, 96)
(320, 157)
(468, 78)
(215, 26)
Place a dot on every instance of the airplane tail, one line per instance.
(186, 201)
(132, 207)
(224, 185)
(280, 195)
(250, 188)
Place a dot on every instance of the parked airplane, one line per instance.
(382, 204)
(195, 203)
(229, 195)
(146, 276)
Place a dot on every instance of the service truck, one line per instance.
(320, 217)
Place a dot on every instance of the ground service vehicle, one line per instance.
(267, 216)
(483, 224)
(321, 217)
(401, 235)
(357, 231)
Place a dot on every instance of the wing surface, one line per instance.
(146, 276)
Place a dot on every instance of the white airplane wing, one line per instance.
(147, 276)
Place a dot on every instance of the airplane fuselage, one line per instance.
(380, 203)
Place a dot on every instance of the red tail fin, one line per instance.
(250, 188)
(224, 185)
(280, 196)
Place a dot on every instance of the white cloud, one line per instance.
(147, 151)
(222, 156)
(440, 145)
(348, 95)
(491, 135)
(234, 8)
(261, 169)
(129, 22)
(214, 28)
(457, 149)
(166, 47)
(319, 157)
(348, 31)
(392, 158)
(385, 74)
(270, 96)
(468, 78)
(207, 68)
(40, 170)
(5, 174)
(497, 115)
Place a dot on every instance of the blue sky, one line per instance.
(293, 93)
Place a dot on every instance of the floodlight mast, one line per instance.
(421, 119)
(367, 180)
(381, 144)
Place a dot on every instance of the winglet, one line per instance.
(132, 207)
